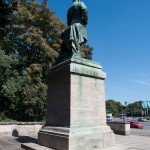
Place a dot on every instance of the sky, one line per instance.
(119, 32)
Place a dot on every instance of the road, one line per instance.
(142, 132)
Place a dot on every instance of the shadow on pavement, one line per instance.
(26, 139)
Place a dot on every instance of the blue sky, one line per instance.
(119, 32)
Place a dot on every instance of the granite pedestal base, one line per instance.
(76, 115)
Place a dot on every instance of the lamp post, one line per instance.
(124, 119)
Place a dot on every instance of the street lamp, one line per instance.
(125, 111)
(125, 103)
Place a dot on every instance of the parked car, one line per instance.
(142, 120)
(109, 118)
(136, 125)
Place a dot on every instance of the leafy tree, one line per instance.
(33, 38)
(86, 51)
(6, 8)
(8, 75)
(116, 108)
(135, 109)
(44, 3)
(132, 109)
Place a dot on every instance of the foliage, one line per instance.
(7, 120)
(132, 109)
(6, 8)
(29, 45)
(8, 76)
(135, 109)
(28, 49)
(116, 108)
(86, 51)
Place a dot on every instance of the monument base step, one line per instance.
(34, 146)
(81, 138)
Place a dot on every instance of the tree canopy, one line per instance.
(116, 108)
(135, 109)
(132, 109)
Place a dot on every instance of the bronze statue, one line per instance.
(75, 35)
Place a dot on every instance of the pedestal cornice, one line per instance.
(81, 67)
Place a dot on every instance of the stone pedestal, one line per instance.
(76, 115)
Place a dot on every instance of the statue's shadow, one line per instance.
(26, 139)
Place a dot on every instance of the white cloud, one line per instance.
(141, 82)
(141, 78)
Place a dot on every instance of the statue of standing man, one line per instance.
(75, 35)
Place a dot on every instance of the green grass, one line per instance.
(7, 120)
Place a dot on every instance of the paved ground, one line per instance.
(14, 143)
(134, 142)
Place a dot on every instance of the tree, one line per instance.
(45, 3)
(6, 8)
(8, 75)
(116, 108)
(135, 109)
(86, 51)
(28, 49)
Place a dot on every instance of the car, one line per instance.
(136, 125)
(142, 120)
(109, 118)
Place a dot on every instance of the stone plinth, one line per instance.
(76, 115)
(122, 128)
